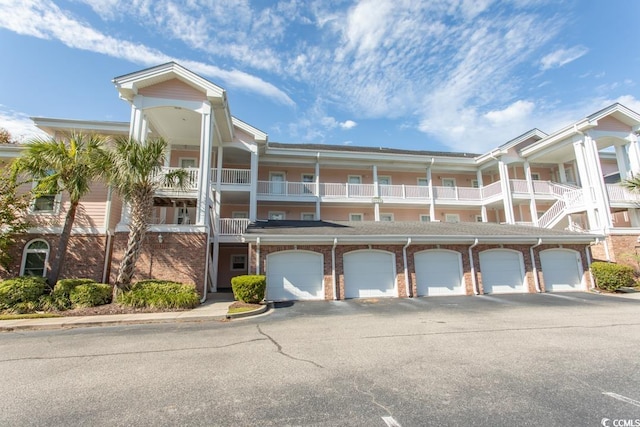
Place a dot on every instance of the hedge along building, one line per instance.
(388, 207)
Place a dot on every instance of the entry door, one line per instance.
(277, 182)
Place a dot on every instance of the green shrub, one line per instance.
(610, 276)
(160, 294)
(22, 293)
(91, 295)
(61, 294)
(249, 288)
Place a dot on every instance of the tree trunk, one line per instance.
(141, 209)
(63, 242)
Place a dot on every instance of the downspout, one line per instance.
(206, 263)
(533, 262)
(257, 255)
(473, 268)
(586, 251)
(406, 268)
(606, 249)
(107, 220)
(333, 268)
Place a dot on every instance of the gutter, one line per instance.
(474, 281)
(107, 220)
(533, 262)
(333, 268)
(406, 269)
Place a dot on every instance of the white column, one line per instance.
(167, 156)
(204, 173)
(483, 208)
(432, 206)
(317, 176)
(563, 173)
(376, 194)
(533, 209)
(622, 159)
(634, 217)
(634, 154)
(253, 195)
(218, 186)
(506, 192)
(136, 124)
(597, 180)
(585, 182)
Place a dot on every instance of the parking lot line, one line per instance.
(622, 398)
(391, 422)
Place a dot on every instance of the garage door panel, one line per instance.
(502, 271)
(295, 276)
(369, 274)
(438, 273)
(561, 270)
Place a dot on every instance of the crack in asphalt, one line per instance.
(279, 349)
(475, 331)
(373, 399)
(170, 350)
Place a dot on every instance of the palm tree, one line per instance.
(132, 168)
(65, 165)
(632, 183)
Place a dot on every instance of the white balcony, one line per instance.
(287, 189)
(190, 185)
(229, 176)
(619, 194)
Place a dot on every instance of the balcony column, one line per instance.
(532, 194)
(253, 195)
(506, 192)
(562, 173)
(218, 187)
(432, 205)
(135, 124)
(601, 195)
(622, 159)
(634, 217)
(317, 179)
(633, 153)
(586, 178)
(204, 173)
(483, 208)
(376, 194)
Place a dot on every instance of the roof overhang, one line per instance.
(51, 126)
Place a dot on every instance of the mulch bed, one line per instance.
(111, 309)
(240, 304)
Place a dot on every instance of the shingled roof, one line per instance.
(436, 232)
(358, 149)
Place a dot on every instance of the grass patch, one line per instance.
(241, 307)
(28, 316)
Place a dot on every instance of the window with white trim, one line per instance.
(425, 218)
(354, 179)
(451, 218)
(238, 262)
(45, 203)
(535, 176)
(308, 216)
(276, 215)
(182, 216)
(423, 182)
(240, 214)
(475, 183)
(448, 182)
(35, 258)
(384, 180)
(355, 217)
(478, 218)
(386, 217)
(309, 181)
(188, 162)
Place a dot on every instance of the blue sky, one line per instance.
(462, 75)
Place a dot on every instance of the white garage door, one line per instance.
(369, 273)
(294, 275)
(439, 272)
(561, 270)
(502, 271)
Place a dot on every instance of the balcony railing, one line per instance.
(232, 226)
(191, 183)
(285, 188)
(232, 176)
(618, 193)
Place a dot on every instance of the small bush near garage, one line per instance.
(91, 295)
(22, 294)
(249, 288)
(160, 294)
(610, 276)
(61, 295)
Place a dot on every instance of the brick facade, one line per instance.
(621, 248)
(180, 257)
(85, 255)
(325, 250)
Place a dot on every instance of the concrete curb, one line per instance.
(242, 314)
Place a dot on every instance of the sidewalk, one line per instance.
(215, 308)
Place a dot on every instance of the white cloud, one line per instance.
(348, 124)
(19, 125)
(45, 20)
(517, 111)
(628, 101)
(562, 57)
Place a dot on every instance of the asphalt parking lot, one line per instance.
(525, 359)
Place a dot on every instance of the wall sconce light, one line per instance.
(160, 238)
